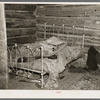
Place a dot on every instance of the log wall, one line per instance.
(20, 23)
(26, 22)
(74, 18)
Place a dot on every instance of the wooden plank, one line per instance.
(59, 13)
(14, 37)
(76, 21)
(20, 31)
(65, 80)
(27, 7)
(66, 26)
(77, 30)
(18, 19)
(22, 40)
(76, 79)
(92, 44)
(70, 41)
(64, 13)
(73, 7)
(93, 37)
(69, 35)
(62, 35)
(19, 11)
(69, 80)
(92, 41)
(20, 24)
(61, 10)
(67, 6)
(59, 21)
(19, 15)
(75, 39)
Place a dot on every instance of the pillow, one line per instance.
(54, 41)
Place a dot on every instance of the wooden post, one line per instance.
(16, 47)
(3, 50)
(28, 61)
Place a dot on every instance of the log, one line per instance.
(68, 29)
(72, 11)
(68, 35)
(18, 11)
(66, 7)
(70, 43)
(63, 13)
(20, 24)
(59, 21)
(19, 15)
(26, 7)
(76, 21)
(14, 37)
(22, 40)
(3, 50)
(92, 44)
(18, 19)
(76, 43)
(92, 41)
(74, 39)
(68, 38)
(11, 32)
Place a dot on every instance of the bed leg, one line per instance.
(42, 81)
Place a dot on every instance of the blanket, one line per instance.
(52, 46)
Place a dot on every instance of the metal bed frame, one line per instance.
(30, 50)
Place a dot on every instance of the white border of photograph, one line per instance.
(50, 93)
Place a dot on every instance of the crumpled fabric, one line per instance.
(49, 46)
(54, 66)
(54, 41)
(81, 62)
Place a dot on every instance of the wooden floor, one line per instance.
(64, 84)
(69, 80)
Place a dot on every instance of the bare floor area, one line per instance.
(70, 81)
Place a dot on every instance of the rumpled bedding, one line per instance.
(64, 53)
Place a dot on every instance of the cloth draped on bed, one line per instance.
(64, 53)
